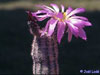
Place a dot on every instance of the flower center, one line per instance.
(61, 16)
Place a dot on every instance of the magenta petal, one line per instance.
(78, 10)
(79, 17)
(47, 26)
(82, 34)
(55, 7)
(39, 12)
(77, 22)
(60, 31)
(62, 8)
(72, 28)
(87, 23)
(80, 23)
(42, 15)
(69, 35)
(68, 10)
(49, 9)
(41, 19)
(52, 26)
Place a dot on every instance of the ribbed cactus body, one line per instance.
(44, 50)
(45, 56)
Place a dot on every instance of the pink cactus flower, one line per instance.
(65, 20)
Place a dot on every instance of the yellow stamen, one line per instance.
(64, 15)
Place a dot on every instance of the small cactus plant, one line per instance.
(44, 50)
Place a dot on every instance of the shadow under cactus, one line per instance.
(16, 40)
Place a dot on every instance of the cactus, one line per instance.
(44, 50)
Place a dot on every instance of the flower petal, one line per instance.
(80, 23)
(55, 7)
(79, 17)
(77, 22)
(69, 35)
(82, 34)
(49, 9)
(60, 31)
(68, 10)
(47, 26)
(52, 26)
(42, 18)
(87, 23)
(77, 10)
(42, 15)
(62, 8)
(39, 12)
(72, 28)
